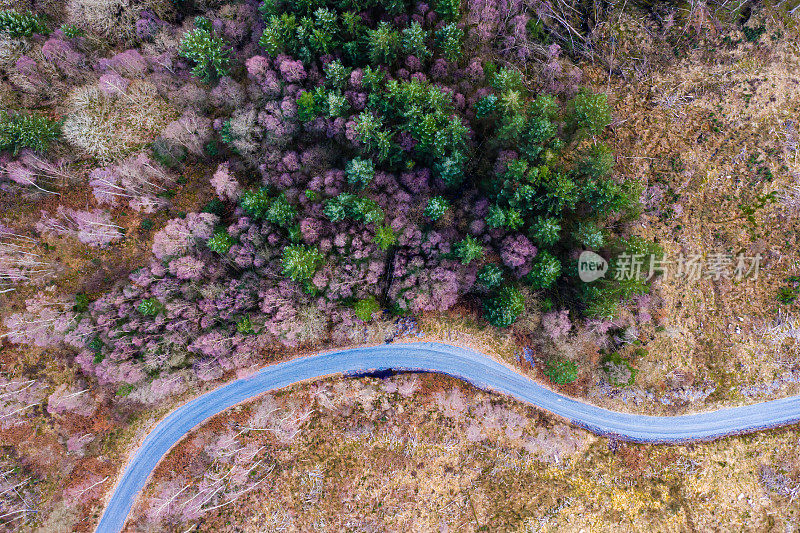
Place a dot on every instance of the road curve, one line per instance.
(473, 367)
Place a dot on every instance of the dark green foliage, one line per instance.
(413, 41)
(336, 105)
(244, 326)
(436, 208)
(448, 10)
(507, 79)
(150, 307)
(369, 128)
(448, 39)
(210, 54)
(360, 172)
(280, 212)
(384, 43)
(256, 203)
(603, 296)
(598, 161)
(468, 250)
(18, 131)
(220, 242)
(82, 302)
(301, 262)
(318, 31)
(372, 79)
(280, 30)
(168, 154)
(366, 308)
(589, 235)
(788, 294)
(96, 347)
(385, 237)
(561, 371)
(486, 106)
(504, 308)
(215, 207)
(71, 31)
(490, 276)
(753, 34)
(498, 217)
(146, 224)
(259, 204)
(309, 105)
(15, 24)
(348, 205)
(546, 270)
(590, 112)
(124, 390)
(336, 74)
(451, 169)
(546, 231)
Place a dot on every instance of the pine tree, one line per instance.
(413, 41)
(504, 308)
(436, 208)
(301, 262)
(210, 55)
(360, 171)
(18, 131)
(468, 249)
(220, 242)
(15, 24)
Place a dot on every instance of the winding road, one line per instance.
(473, 367)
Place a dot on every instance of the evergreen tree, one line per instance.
(209, 54)
(301, 262)
(504, 308)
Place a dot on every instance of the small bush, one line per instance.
(71, 31)
(16, 24)
(366, 308)
(18, 131)
(561, 371)
(436, 208)
(150, 307)
(81, 303)
(244, 326)
(619, 371)
(385, 237)
(220, 242)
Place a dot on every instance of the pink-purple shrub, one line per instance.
(66, 399)
(225, 183)
(556, 324)
(191, 132)
(94, 228)
(137, 180)
(518, 252)
(182, 235)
